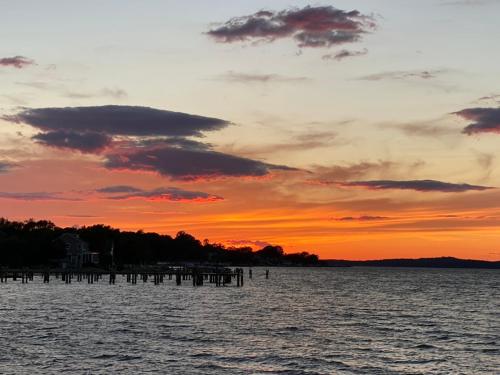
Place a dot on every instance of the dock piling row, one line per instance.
(198, 275)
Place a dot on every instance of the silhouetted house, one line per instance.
(77, 251)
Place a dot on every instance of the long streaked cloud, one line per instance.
(260, 78)
(469, 2)
(36, 196)
(105, 92)
(114, 189)
(17, 62)
(190, 164)
(418, 185)
(422, 129)
(311, 26)
(62, 90)
(171, 194)
(403, 75)
(362, 218)
(483, 120)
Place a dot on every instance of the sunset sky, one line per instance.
(351, 129)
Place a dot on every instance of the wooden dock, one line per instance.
(198, 276)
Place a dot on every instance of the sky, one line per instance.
(351, 129)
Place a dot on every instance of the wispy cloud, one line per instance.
(311, 26)
(486, 163)
(469, 2)
(62, 90)
(105, 93)
(300, 142)
(6, 166)
(333, 174)
(343, 54)
(424, 129)
(39, 85)
(492, 97)
(81, 216)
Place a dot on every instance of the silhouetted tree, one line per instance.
(32, 243)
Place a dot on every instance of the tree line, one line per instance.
(34, 243)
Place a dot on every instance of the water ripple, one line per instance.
(300, 321)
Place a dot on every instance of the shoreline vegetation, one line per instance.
(41, 243)
(36, 244)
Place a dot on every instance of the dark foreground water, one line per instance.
(300, 321)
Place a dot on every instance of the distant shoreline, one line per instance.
(440, 262)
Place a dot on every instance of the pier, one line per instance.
(178, 275)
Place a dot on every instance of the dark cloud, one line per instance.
(418, 185)
(35, 196)
(5, 166)
(89, 142)
(483, 120)
(362, 218)
(142, 138)
(260, 78)
(18, 62)
(117, 120)
(171, 194)
(344, 54)
(403, 75)
(321, 26)
(189, 164)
